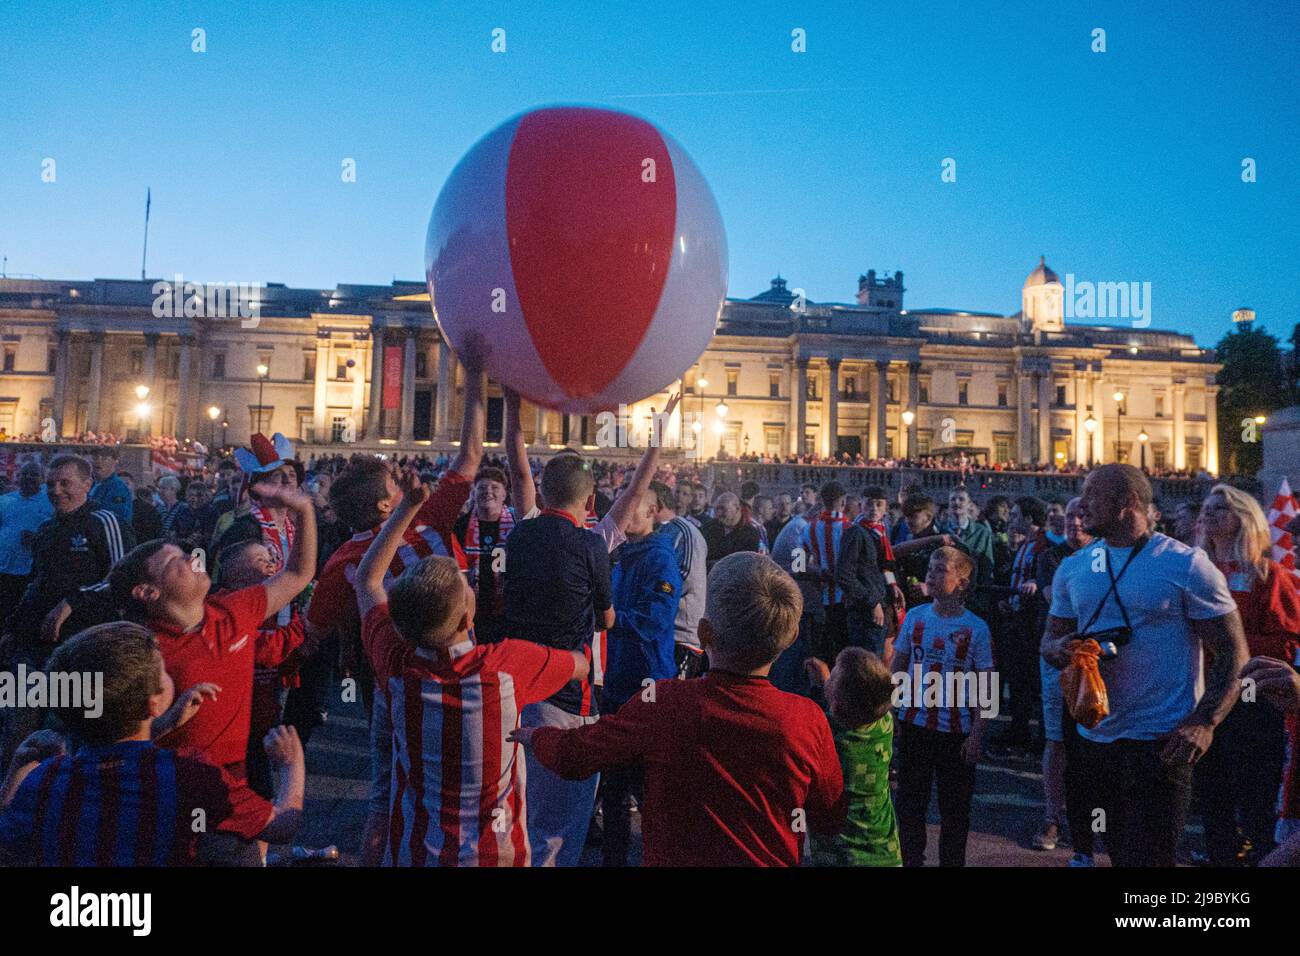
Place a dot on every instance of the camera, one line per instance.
(1110, 640)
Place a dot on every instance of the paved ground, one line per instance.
(1006, 814)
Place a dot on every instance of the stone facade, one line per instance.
(793, 375)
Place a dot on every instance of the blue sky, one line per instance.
(1119, 166)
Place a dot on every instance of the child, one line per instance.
(213, 638)
(944, 742)
(558, 594)
(736, 771)
(121, 801)
(858, 694)
(458, 786)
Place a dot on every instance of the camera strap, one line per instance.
(1114, 585)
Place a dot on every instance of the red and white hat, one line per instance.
(264, 454)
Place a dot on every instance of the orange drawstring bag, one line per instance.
(1082, 686)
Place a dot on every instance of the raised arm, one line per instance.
(474, 424)
(523, 493)
(300, 567)
(621, 511)
(379, 556)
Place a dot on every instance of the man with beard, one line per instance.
(1159, 605)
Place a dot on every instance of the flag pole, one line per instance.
(148, 200)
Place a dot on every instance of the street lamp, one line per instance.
(721, 409)
(1143, 438)
(142, 392)
(1119, 423)
(214, 413)
(224, 425)
(262, 372)
(1260, 419)
(1090, 426)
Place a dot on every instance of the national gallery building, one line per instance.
(782, 375)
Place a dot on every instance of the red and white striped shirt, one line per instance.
(458, 785)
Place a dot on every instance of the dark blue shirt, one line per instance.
(556, 583)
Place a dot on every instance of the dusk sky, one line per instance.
(1119, 166)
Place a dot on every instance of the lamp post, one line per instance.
(214, 413)
(1143, 438)
(1090, 426)
(1119, 423)
(908, 417)
(262, 372)
(224, 442)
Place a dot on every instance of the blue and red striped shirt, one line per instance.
(126, 804)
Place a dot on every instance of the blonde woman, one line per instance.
(1238, 778)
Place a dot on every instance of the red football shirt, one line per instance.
(458, 794)
(220, 651)
(735, 770)
(334, 599)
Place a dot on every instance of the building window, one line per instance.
(688, 381)
(309, 366)
(810, 388)
(963, 393)
(923, 391)
(773, 440)
(733, 375)
(773, 384)
(137, 362)
(52, 361)
(338, 427)
(893, 390)
(422, 364)
(850, 387)
(923, 443)
(1002, 395)
(219, 365)
(1160, 407)
(1158, 458)
(1193, 457)
(1002, 449)
(810, 442)
(259, 418)
(965, 439)
(341, 366)
(1060, 396)
(11, 356)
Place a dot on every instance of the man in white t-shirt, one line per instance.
(1163, 706)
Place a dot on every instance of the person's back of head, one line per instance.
(431, 603)
(751, 612)
(860, 688)
(832, 495)
(1034, 510)
(567, 482)
(748, 490)
(357, 495)
(127, 658)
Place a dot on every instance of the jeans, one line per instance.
(1238, 778)
(616, 788)
(862, 633)
(924, 757)
(559, 810)
(1144, 800)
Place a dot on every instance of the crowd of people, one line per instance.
(769, 679)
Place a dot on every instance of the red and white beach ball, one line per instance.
(586, 250)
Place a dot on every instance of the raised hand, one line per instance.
(414, 491)
(192, 700)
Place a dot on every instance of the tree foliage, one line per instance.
(1256, 379)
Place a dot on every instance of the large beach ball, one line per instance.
(584, 250)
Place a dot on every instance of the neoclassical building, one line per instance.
(782, 375)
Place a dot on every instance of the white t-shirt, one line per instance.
(1155, 680)
(950, 647)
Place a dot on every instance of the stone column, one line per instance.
(150, 379)
(913, 403)
(1180, 425)
(1045, 395)
(832, 406)
(800, 399)
(321, 432)
(407, 432)
(1024, 424)
(1099, 415)
(446, 390)
(374, 416)
(539, 428)
(1212, 429)
(96, 381)
(880, 407)
(1080, 413)
(61, 361)
(185, 389)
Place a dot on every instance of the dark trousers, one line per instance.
(1144, 800)
(616, 788)
(862, 633)
(926, 757)
(1079, 798)
(12, 587)
(1237, 781)
(307, 706)
(833, 635)
(1020, 669)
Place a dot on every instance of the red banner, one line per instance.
(392, 377)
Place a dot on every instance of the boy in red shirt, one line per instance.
(213, 639)
(457, 796)
(736, 771)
